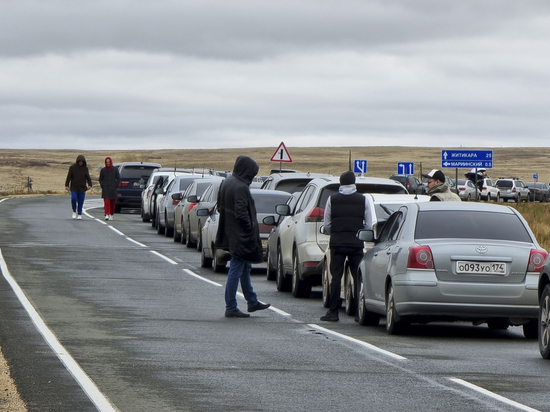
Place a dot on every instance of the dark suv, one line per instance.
(411, 183)
(128, 194)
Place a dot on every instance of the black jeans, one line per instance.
(337, 258)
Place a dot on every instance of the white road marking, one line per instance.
(189, 272)
(100, 401)
(6, 198)
(357, 341)
(136, 242)
(164, 257)
(114, 229)
(493, 395)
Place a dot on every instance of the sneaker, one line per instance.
(106, 217)
(236, 314)
(74, 215)
(79, 217)
(110, 217)
(258, 306)
(330, 317)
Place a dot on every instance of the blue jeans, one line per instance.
(77, 198)
(239, 270)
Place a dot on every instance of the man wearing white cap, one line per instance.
(437, 188)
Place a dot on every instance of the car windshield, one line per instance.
(293, 185)
(266, 203)
(137, 172)
(457, 224)
(504, 183)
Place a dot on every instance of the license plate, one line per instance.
(264, 243)
(136, 184)
(483, 268)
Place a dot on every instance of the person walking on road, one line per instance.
(238, 231)
(109, 178)
(78, 181)
(438, 189)
(346, 212)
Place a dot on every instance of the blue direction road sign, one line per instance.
(405, 168)
(467, 158)
(360, 166)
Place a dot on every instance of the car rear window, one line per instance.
(266, 203)
(361, 188)
(469, 224)
(504, 183)
(136, 172)
(293, 185)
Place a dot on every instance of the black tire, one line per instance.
(488, 197)
(469, 198)
(517, 199)
(544, 323)
(326, 285)
(301, 288)
(183, 237)
(219, 267)
(531, 329)
(188, 241)
(394, 324)
(497, 199)
(144, 219)
(176, 235)
(199, 240)
(282, 281)
(206, 262)
(366, 318)
(349, 295)
(498, 324)
(168, 231)
(271, 273)
(117, 209)
(160, 229)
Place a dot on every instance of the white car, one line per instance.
(301, 246)
(381, 207)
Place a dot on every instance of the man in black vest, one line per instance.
(345, 213)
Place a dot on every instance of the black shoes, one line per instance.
(330, 317)
(258, 306)
(236, 314)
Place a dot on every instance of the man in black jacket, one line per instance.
(77, 182)
(345, 213)
(238, 231)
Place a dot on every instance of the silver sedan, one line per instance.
(447, 261)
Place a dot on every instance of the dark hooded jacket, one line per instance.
(78, 178)
(238, 228)
(109, 178)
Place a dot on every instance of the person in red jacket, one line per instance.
(109, 178)
(78, 181)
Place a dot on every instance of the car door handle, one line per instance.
(388, 252)
(375, 253)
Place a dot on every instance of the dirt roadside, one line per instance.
(9, 397)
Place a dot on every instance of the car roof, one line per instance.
(397, 198)
(297, 175)
(265, 192)
(323, 181)
(156, 165)
(471, 206)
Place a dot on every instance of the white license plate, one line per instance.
(136, 184)
(483, 268)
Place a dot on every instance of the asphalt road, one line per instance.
(132, 323)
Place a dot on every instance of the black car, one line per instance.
(411, 183)
(131, 176)
(538, 191)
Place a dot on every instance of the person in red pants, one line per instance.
(109, 178)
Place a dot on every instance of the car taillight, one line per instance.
(123, 184)
(538, 191)
(461, 188)
(420, 257)
(536, 260)
(408, 185)
(514, 189)
(315, 215)
(484, 188)
(175, 202)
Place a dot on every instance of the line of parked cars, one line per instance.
(424, 261)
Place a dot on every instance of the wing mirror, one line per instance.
(177, 196)
(193, 199)
(203, 212)
(269, 221)
(282, 210)
(365, 235)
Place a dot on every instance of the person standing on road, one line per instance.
(238, 231)
(346, 212)
(438, 189)
(109, 178)
(78, 181)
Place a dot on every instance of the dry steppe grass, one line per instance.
(48, 168)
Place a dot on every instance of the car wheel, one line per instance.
(160, 229)
(283, 283)
(497, 199)
(544, 322)
(177, 236)
(219, 266)
(394, 325)
(531, 329)
(498, 324)
(168, 231)
(543, 200)
(326, 285)
(366, 318)
(143, 218)
(183, 237)
(271, 273)
(206, 262)
(517, 199)
(199, 239)
(469, 198)
(301, 288)
(188, 241)
(118, 209)
(527, 199)
(488, 197)
(350, 302)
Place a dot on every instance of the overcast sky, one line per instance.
(158, 74)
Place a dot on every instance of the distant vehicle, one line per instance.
(169, 202)
(512, 189)
(411, 183)
(447, 261)
(290, 182)
(129, 189)
(538, 191)
(467, 190)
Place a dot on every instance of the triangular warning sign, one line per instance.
(281, 154)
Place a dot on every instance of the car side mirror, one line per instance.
(365, 235)
(282, 210)
(269, 220)
(203, 212)
(193, 199)
(159, 191)
(177, 196)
